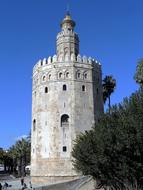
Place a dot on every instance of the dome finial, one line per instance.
(67, 21)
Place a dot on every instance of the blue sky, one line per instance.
(110, 31)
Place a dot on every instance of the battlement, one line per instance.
(54, 59)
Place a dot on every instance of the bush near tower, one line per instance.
(112, 152)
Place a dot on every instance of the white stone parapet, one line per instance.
(54, 59)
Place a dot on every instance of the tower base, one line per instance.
(47, 180)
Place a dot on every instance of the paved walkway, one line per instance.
(14, 184)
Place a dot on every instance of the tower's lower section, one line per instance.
(49, 171)
(46, 180)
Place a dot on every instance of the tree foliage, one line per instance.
(20, 152)
(112, 152)
(139, 73)
(17, 156)
(109, 84)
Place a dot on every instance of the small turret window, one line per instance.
(49, 76)
(78, 75)
(60, 75)
(46, 89)
(64, 87)
(67, 75)
(83, 88)
(34, 124)
(44, 78)
(85, 75)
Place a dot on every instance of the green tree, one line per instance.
(20, 153)
(139, 73)
(1, 155)
(109, 84)
(112, 152)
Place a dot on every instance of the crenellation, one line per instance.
(63, 59)
(54, 58)
(44, 62)
(49, 60)
(84, 59)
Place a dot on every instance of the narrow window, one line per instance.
(46, 89)
(44, 78)
(34, 124)
(83, 88)
(49, 76)
(64, 87)
(85, 75)
(60, 75)
(67, 75)
(64, 148)
(78, 75)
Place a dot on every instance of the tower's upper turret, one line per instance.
(68, 23)
(67, 40)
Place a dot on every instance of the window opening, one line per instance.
(49, 76)
(34, 124)
(60, 75)
(85, 75)
(44, 78)
(64, 120)
(78, 75)
(67, 75)
(46, 89)
(64, 148)
(83, 88)
(64, 87)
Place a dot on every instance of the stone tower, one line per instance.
(66, 100)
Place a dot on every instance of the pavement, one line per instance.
(14, 183)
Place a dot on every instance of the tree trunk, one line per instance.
(23, 164)
(19, 167)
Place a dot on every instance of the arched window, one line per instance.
(64, 120)
(34, 124)
(83, 88)
(60, 75)
(49, 76)
(78, 75)
(85, 75)
(44, 78)
(64, 87)
(67, 75)
(46, 89)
